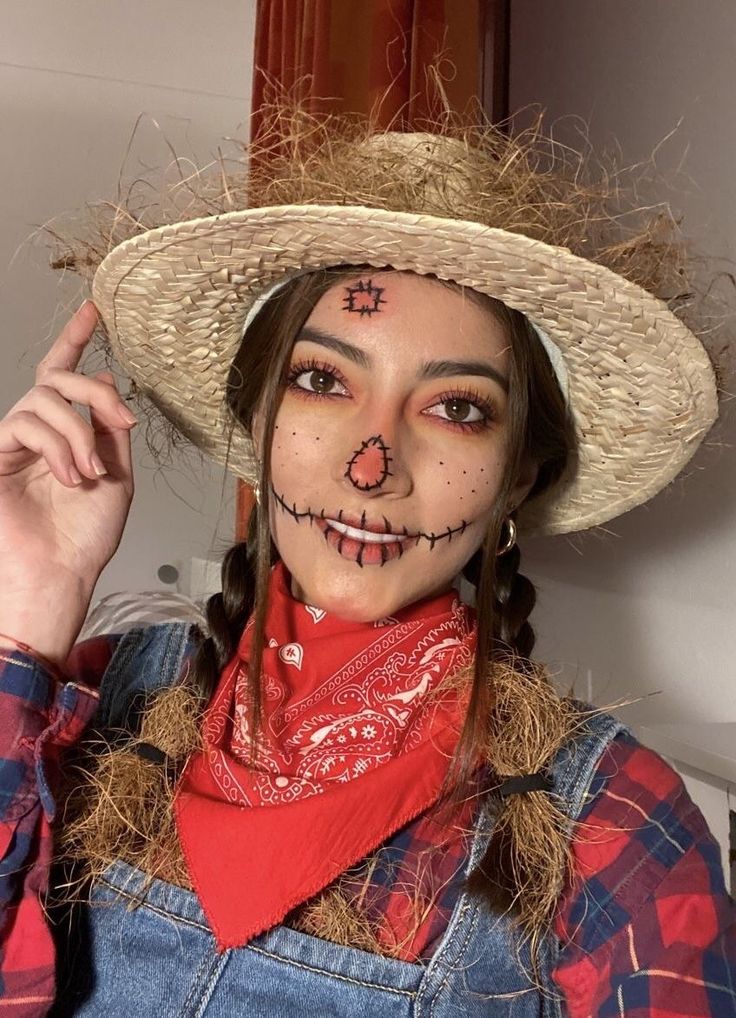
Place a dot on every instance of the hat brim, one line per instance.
(641, 386)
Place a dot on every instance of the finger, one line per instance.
(113, 444)
(67, 351)
(50, 407)
(25, 431)
(98, 393)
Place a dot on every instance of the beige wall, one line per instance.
(74, 78)
(648, 605)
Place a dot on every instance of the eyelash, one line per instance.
(471, 396)
(301, 367)
(475, 399)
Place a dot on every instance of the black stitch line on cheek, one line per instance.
(293, 512)
(449, 533)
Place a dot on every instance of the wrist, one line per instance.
(9, 645)
(49, 629)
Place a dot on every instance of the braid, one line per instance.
(527, 855)
(515, 599)
(227, 613)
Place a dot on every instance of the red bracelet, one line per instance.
(49, 665)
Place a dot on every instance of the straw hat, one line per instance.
(640, 385)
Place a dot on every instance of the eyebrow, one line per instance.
(441, 369)
(430, 369)
(352, 353)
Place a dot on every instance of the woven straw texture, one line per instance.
(642, 389)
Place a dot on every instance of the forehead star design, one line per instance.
(363, 299)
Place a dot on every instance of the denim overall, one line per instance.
(158, 958)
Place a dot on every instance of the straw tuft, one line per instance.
(119, 805)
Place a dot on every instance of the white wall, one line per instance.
(74, 78)
(649, 605)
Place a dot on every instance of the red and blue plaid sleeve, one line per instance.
(647, 926)
(39, 715)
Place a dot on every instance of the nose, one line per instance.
(369, 466)
(372, 468)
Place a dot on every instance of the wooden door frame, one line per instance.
(495, 23)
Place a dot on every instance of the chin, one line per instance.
(357, 598)
(360, 595)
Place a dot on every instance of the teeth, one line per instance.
(362, 535)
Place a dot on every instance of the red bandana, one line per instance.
(353, 746)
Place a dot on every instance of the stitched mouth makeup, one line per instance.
(368, 546)
(365, 543)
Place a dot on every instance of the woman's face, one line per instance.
(389, 446)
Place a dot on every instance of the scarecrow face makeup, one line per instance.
(389, 446)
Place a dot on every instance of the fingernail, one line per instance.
(127, 416)
(81, 306)
(97, 465)
(75, 476)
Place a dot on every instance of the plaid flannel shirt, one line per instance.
(646, 926)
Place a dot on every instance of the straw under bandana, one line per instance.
(355, 742)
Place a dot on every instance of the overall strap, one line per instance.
(575, 763)
(480, 968)
(146, 660)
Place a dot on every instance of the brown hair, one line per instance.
(545, 435)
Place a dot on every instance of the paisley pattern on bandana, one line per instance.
(358, 727)
(327, 716)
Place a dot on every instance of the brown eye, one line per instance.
(460, 409)
(466, 410)
(321, 381)
(313, 378)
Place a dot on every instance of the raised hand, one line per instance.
(65, 485)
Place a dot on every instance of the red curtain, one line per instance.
(354, 50)
(357, 53)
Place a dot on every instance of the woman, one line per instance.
(356, 794)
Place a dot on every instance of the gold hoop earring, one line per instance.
(510, 540)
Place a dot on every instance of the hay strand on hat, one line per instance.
(525, 183)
